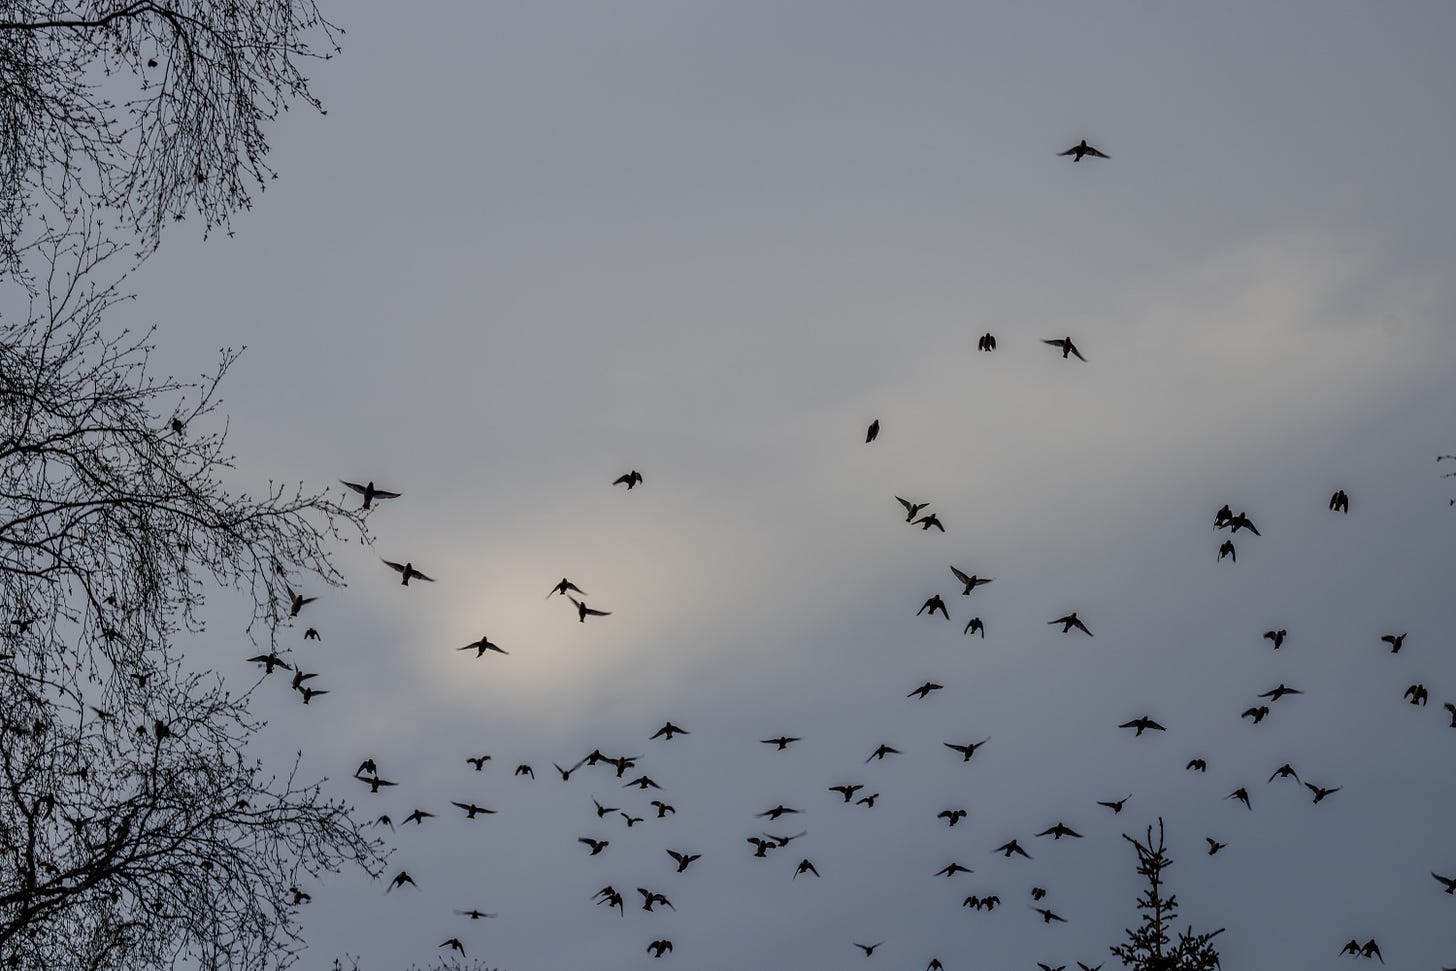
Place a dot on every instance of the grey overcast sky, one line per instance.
(535, 245)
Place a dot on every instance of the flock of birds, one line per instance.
(762, 844)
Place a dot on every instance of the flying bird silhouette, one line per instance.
(369, 492)
(1070, 621)
(564, 586)
(583, 611)
(481, 646)
(1065, 343)
(986, 343)
(971, 581)
(630, 480)
(873, 432)
(406, 571)
(932, 605)
(1081, 149)
(912, 509)
(1006, 849)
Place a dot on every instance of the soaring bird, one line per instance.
(925, 689)
(951, 869)
(604, 811)
(483, 645)
(1396, 642)
(1060, 830)
(1241, 521)
(1339, 502)
(406, 571)
(478, 761)
(967, 750)
(951, 816)
(1070, 621)
(1279, 692)
(400, 879)
(1197, 765)
(1448, 882)
(1417, 694)
(1221, 518)
(873, 432)
(972, 581)
(419, 816)
(310, 693)
(1082, 148)
(649, 899)
(454, 945)
(1226, 548)
(846, 791)
(668, 730)
(1285, 771)
(1065, 343)
(925, 522)
(869, 949)
(369, 492)
(881, 752)
(987, 342)
(1143, 723)
(312, 634)
(761, 846)
(657, 948)
(269, 662)
(631, 479)
(932, 605)
(474, 914)
(684, 860)
(1047, 916)
(563, 587)
(868, 801)
(596, 845)
(1320, 793)
(1116, 806)
(526, 770)
(1258, 714)
(1006, 849)
(583, 611)
(1213, 845)
(1277, 636)
(912, 509)
(783, 741)
(805, 867)
(1242, 795)
(777, 811)
(973, 626)
(296, 601)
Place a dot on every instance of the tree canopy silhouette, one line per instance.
(135, 831)
(1150, 947)
(153, 108)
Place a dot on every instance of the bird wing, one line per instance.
(381, 494)
(396, 567)
(420, 576)
(599, 613)
(1092, 151)
(1073, 347)
(355, 486)
(963, 578)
